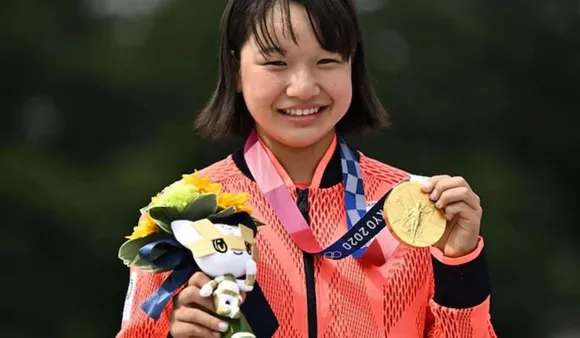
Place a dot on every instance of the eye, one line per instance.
(275, 63)
(249, 248)
(327, 61)
(220, 245)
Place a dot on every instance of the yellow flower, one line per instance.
(145, 227)
(226, 200)
(243, 207)
(202, 183)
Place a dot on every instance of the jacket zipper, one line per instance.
(302, 202)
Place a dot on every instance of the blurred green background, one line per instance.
(98, 97)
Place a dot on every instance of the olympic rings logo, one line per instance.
(333, 255)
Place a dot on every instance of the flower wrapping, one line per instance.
(191, 226)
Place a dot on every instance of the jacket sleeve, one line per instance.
(460, 302)
(136, 323)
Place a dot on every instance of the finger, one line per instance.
(198, 279)
(462, 210)
(190, 297)
(189, 330)
(458, 194)
(446, 184)
(432, 181)
(201, 318)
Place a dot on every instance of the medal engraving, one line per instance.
(411, 216)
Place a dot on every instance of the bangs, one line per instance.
(333, 21)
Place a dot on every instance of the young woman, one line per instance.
(292, 80)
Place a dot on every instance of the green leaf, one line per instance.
(139, 262)
(129, 251)
(226, 212)
(143, 265)
(202, 207)
(163, 216)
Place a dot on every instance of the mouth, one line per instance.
(238, 253)
(303, 112)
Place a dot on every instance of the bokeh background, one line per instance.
(98, 97)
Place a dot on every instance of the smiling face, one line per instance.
(297, 94)
(227, 257)
(218, 249)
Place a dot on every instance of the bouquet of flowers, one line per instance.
(192, 226)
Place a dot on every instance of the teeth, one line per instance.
(301, 112)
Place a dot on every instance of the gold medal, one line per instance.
(412, 217)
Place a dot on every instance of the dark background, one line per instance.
(98, 97)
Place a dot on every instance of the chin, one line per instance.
(301, 138)
(299, 142)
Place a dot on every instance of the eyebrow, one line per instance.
(270, 50)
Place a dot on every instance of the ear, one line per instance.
(185, 233)
(255, 253)
(247, 233)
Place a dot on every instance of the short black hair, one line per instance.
(337, 29)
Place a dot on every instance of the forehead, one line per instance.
(283, 29)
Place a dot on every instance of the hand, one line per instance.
(463, 212)
(191, 316)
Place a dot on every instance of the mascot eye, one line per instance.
(249, 248)
(220, 245)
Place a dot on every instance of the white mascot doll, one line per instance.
(224, 252)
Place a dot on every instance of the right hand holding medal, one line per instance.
(461, 207)
(442, 212)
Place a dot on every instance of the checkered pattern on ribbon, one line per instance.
(355, 202)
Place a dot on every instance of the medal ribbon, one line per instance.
(354, 193)
(362, 226)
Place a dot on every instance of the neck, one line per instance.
(299, 162)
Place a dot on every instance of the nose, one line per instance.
(303, 85)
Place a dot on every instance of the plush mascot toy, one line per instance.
(223, 249)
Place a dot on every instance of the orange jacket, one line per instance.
(416, 293)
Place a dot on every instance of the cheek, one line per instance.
(339, 88)
(342, 90)
(260, 90)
